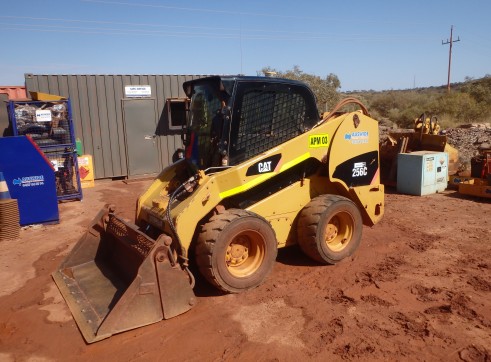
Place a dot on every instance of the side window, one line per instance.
(267, 115)
(256, 114)
(176, 112)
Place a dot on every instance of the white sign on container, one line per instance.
(43, 115)
(137, 91)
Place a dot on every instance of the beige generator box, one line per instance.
(86, 171)
(422, 172)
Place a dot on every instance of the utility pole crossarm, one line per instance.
(450, 42)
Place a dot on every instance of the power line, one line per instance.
(107, 22)
(304, 34)
(237, 34)
(450, 42)
(105, 31)
(230, 12)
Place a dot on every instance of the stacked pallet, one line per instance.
(9, 219)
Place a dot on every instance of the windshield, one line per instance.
(204, 104)
(206, 123)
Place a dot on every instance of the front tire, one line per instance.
(236, 250)
(329, 228)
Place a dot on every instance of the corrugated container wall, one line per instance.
(97, 102)
(13, 92)
(8, 93)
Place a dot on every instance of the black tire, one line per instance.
(236, 250)
(329, 228)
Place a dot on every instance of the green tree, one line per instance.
(325, 89)
(458, 106)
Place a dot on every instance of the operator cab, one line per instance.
(232, 119)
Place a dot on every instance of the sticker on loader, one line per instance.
(318, 140)
(266, 165)
(359, 169)
(357, 138)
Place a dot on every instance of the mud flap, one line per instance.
(117, 278)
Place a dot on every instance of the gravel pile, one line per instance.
(469, 140)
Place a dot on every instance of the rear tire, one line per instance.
(236, 250)
(329, 228)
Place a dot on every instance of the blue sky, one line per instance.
(367, 44)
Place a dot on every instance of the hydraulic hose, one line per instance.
(341, 104)
(183, 254)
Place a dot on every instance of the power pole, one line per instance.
(451, 41)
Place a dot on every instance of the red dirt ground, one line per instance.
(418, 289)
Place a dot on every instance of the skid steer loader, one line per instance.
(262, 170)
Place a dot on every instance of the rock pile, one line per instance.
(469, 139)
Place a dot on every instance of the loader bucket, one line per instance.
(117, 278)
(432, 142)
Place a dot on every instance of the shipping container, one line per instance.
(14, 92)
(130, 124)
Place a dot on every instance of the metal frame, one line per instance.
(66, 149)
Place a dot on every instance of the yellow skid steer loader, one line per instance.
(261, 171)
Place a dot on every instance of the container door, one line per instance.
(429, 175)
(441, 171)
(140, 124)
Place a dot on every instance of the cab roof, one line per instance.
(226, 82)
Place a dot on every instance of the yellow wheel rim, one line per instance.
(245, 253)
(339, 231)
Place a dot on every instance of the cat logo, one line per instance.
(263, 167)
(266, 165)
(318, 140)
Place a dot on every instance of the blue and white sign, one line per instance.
(356, 138)
(28, 181)
(137, 91)
(43, 115)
